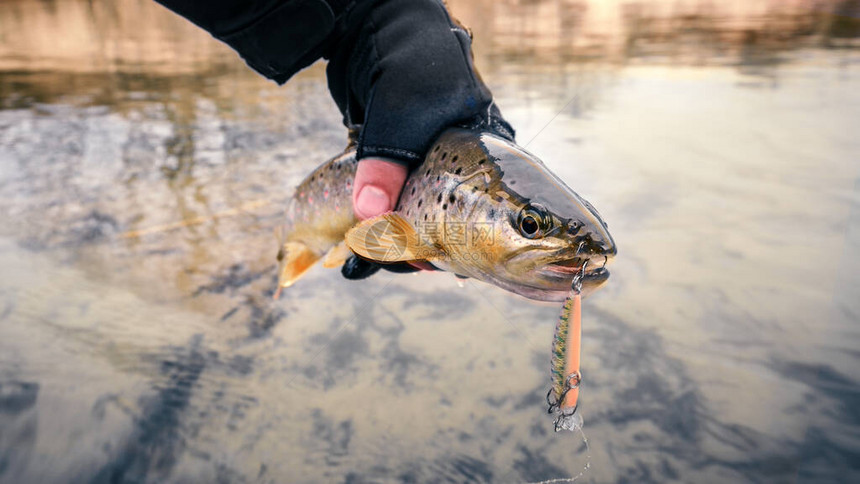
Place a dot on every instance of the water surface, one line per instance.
(143, 170)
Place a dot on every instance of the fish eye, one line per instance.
(533, 221)
(529, 226)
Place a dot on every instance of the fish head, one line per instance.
(542, 232)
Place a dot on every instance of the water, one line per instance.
(143, 169)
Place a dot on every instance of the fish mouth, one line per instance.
(567, 268)
(552, 281)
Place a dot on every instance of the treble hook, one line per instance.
(564, 420)
(553, 405)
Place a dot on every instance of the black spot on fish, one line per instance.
(474, 188)
(482, 161)
(436, 148)
(444, 155)
(438, 177)
(439, 198)
(444, 206)
(455, 158)
(427, 173)
(451, 198)
(413, 190)
(459, 170)
(420, 201)
(425, 216)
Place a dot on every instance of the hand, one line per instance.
(377, 186)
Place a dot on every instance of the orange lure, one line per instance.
(564, 394)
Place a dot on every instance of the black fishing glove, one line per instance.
(356, 268)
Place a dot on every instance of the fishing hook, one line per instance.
(576, 284)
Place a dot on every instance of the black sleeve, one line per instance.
(277, 38)
(400, 70)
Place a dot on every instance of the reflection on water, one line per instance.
(143, 169)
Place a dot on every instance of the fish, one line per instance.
(479, 206)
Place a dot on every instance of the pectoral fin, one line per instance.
(388, 238)
(294, 260)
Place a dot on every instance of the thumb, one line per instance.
(377, 186)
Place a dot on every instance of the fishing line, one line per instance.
(584, 468)
(564, 370)
(245, 207)
(551, 120)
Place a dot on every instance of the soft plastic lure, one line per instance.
(564, 394)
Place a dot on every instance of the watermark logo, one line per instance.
(385, 244)
(459, 234)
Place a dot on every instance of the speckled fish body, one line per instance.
(479, 206)
(320, 212)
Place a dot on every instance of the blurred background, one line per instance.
(143, 168)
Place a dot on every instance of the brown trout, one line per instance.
(479, 206)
